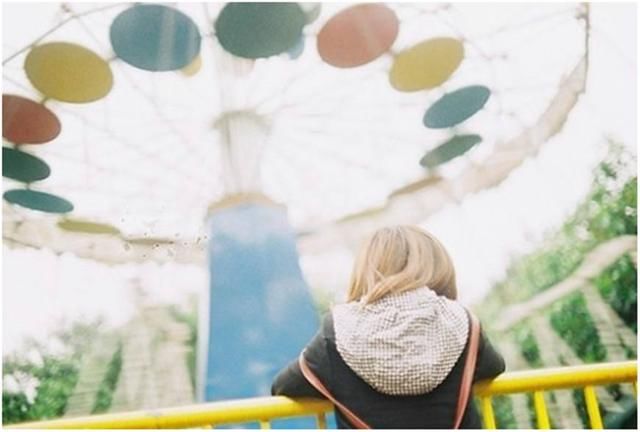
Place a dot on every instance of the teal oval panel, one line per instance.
(24, 167)
(155, 37)
(258, 30)
(40, 201)
(455, 107)
(297, 50)
(450, 149)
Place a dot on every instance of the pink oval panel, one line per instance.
(358, 35)
(27, 122)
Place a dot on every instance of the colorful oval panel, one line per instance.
(150, 241)
(451, 149)
(87, 227)
(297, 50)
(358, 35)
(426, 65)
(68, 72)
(311, 11)
(24, 167)
(258, 30)
(27, 122)
(192, 68)
(455, 107)
(155, 37)
(40, 201)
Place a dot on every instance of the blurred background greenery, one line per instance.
(607, 212)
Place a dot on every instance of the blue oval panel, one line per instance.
(24, 167)
(258, 30)
(450, 149)
(455, 107)
(41, 201)
(155, 37)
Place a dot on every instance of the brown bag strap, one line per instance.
(465, 387)
(315, 381)
(469, 369)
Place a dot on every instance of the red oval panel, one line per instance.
(27, 122)
(358, 35)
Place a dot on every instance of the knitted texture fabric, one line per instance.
(403, 344)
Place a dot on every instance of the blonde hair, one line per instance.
(398, 259)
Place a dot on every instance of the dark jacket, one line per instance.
(433, 410)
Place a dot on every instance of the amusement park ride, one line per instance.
(181, 114)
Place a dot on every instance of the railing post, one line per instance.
(487, 413)
(592, 408)
(321, 421)
(542, 416)
(265, 424)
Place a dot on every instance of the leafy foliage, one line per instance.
(190, 318)
(108, 385)
(52, 369)
(528, 345)
(571, 320)
(15, 408)
(614, 284)
(56, 378)
(503, 410)
(609, 210)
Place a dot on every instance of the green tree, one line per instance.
(609, 210)
(189, 316)
(52, 368)
(104, 397)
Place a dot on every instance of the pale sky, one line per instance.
(350, 165)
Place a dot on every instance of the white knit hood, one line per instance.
(402, 344)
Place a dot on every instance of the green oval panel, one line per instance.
(24, 167)
(257, 30)
(87, 227)
(155, 37)
(455, 107)
(40, 201)
(450, 149)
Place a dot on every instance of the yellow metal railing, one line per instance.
(264, 410)
(537, 381)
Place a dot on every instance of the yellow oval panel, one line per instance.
(87, 227)
(192, 68)
(426, 65)
(150, 241)
(68, 72)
